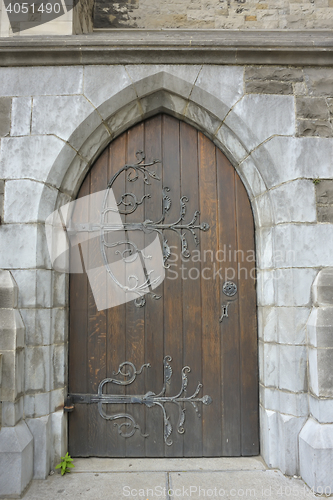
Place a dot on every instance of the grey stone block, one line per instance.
(43, 288)
(322, 287)
(291, 324)
(264, 238)
(250, 120)
(60, 289)
(262, 210)
(321, 409)
(325, 213)
(93, 145)
(286, 205)
(321, 372)
(250, 175)
(288, 403)
(59, 433)
(204, 120)
(319, 81)
(268, 87)
(59, 329)
(40, 428)
(8, 290)
(224, 83)
(300, 88)
(39, 80)
(37, 405)
(162, 101)
(148, 78)
(21, 116)
(12, 375)
(60, 115)
(231, 146)
(103, 82)
(297, 245)
(5, 109)
(320, 327)
(58, 367)
(314, 128)
(316, 455)
(324, 192)
(16, 459)
(267, 324)
(289, 429)
(269, 444)
(126, 117)
(265, 287)
(38, 326)
(273, 73)
(12, 413)
(23, 198)
(11, 330)
(37, 368)
(18, 246)
(293, 368)
(314, 108)
(293, 286)
(57, 398)
(287, 158)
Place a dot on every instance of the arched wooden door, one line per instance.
(205, 318)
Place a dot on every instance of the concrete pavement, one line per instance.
(169, 479)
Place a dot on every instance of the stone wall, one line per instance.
(214, 14)
(58, 119)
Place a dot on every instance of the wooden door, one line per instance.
(205, 318)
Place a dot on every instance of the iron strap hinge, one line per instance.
(104, 399)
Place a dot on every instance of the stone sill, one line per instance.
(131, 46)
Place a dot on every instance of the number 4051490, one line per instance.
(24, 8)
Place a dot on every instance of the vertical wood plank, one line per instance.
(116, 316)
(229, 327)
(172, 290)
(191, 296)
(248, 326)
(135, 333)
(211, 342)
(78, 333)
(154, 310)
(96, 319)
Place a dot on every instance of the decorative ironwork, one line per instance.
(229, 288)
(127, 204)
(224, 312)
(128, 428)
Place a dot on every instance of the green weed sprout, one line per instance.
(65, 464)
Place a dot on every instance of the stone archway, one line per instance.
(160, 93)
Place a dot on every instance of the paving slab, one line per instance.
(169, 479)
(168, 464)
(268, 484)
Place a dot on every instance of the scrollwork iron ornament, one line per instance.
(127, 205)
(129, 427)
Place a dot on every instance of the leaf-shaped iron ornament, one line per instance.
(129, 373)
